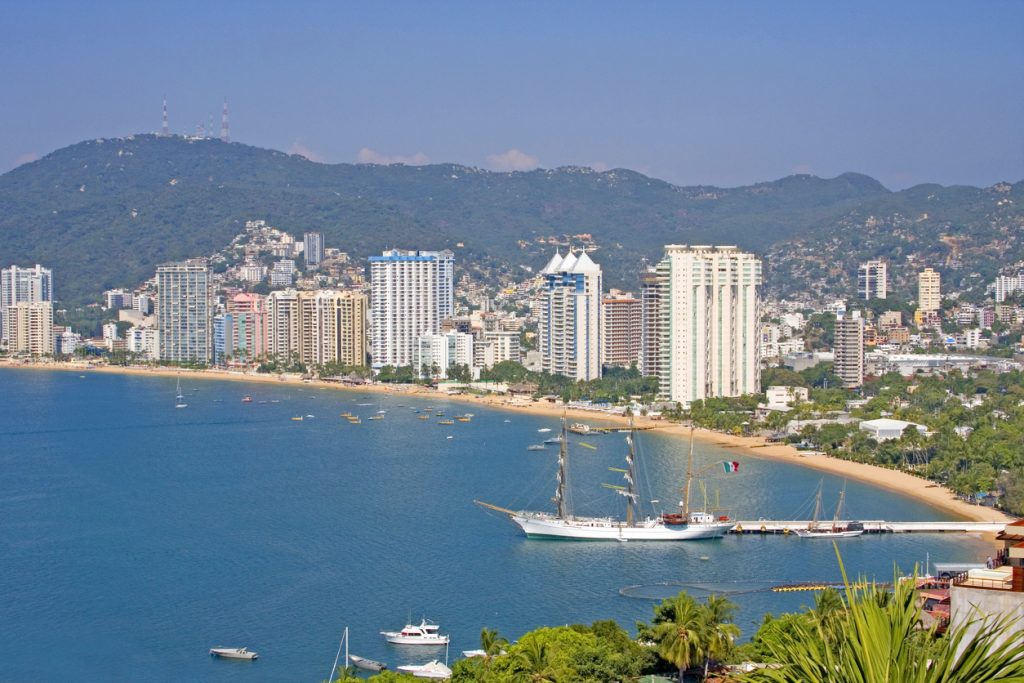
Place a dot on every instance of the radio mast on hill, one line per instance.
(225, 135)
(165, 130)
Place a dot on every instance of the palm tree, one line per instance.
(719, 632)
(492, 643)
(534, 662)
(881, 642)
(681, 638)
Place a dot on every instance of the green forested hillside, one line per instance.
(104, 212)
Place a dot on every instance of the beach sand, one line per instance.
(893, 480)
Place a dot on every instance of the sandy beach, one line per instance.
(893, 480)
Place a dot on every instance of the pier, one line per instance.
(775, 526)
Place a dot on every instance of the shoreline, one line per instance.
(905, 484)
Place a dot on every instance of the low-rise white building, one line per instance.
(144, 341)
(783, 397)
(886, 429)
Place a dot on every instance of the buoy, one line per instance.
(739, 528)
(785, 532)
(763, 528)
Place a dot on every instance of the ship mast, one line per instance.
(817, 508)
(630, 477)
(560, 491)
(839, 507)
(689, 480)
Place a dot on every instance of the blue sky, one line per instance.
(723, 93)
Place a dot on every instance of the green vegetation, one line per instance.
(863, 634)
(120, 207)
(617, 384)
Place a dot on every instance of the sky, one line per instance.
(720, 93)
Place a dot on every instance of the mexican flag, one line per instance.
(732, 466)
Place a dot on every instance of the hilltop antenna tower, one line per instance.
(225, 135)
(165, 130)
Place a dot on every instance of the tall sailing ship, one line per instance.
(837, 529)
(562, 524)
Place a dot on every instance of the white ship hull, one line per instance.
(399, 639)
(826, 533)
(608, 529)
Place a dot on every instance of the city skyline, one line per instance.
(773, 91)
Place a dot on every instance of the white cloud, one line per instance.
(370, 156)
(302, 150)
(512, 160)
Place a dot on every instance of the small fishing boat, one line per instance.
(297, 418)
(423, 417)
(376, 417)
(247, 399)
(233, 653)
(367, 664)
(446, 422)
(537, 447)
(543, 430)
(463, 418)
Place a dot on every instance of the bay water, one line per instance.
(135, 536)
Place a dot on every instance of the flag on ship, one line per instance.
(731, 466)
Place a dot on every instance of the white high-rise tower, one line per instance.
(23, 285)
(570, 321)
(709, 323)
(412, 292)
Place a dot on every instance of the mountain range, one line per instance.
(104, 213)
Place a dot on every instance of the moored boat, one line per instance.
(562, 524)
(233, 653)
(367, 664)
(433, 669)
(836, 529)
(425, 633)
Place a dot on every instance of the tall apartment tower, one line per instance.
(313, 248)
(249, 314)
(412, 292)
(650, 324)
(31, 328)
(332, 327)
(283, 324)
(28, 285)
(872, 282)
(708, 322)
(929, 296)
(622, 317)
(849, 349)
(185, 311)
(570, 323)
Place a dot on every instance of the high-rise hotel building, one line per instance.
(412, 292)
(929, 290)
(708, 322)
(23, 285)
(623, 329)
(185, 311)
(30, 328)
(570, 318)
(849, 349)
(318, 327)
(872, 280)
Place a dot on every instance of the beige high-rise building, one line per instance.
(185, 311)
(30, 328)
(849, 350)
(929, 295)
(708, 322)
(623, 329)
(317, 327)
(332, 327)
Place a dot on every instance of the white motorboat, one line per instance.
(434, 669)
(367, 664)
(469, 654)
(425, 633)
(233, 653)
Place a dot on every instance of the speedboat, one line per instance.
(423, 634)
(434, 669)
(247, 399)
(233, 653)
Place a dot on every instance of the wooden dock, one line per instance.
(877, 526)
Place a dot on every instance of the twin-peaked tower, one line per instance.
(701, 308)
(570, 321)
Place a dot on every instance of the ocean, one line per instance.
(135, 536)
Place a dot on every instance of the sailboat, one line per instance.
(562, 524)
(358, 662)
(179, 398)
(837, 530)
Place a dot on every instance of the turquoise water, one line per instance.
(134, 536)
